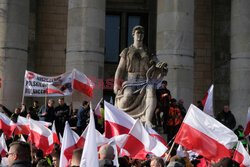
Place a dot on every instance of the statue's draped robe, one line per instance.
(142, 76)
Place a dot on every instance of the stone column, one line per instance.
(240, 60)
(85, 42)
(175, 26)
(14, 31)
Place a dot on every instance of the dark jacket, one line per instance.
(50, 114)
(21, 163)
(61, 116)
(106, 163)
(226, 119)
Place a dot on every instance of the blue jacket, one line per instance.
(82, 116)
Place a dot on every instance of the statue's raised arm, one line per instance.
(139, 72)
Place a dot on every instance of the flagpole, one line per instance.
(171, 140)
(45, 102)
(170, 151)
(23, 89)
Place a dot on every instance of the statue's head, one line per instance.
(138, 28)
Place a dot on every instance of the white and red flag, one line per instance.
(82, 83)
(3, 146)
(241, 155)
(117, 122)
(41, 136)
(205, 135)
(51, 89)
(7, 125)
(207, 101)
(55, 137)
(90, 154)
(68, 146)
(247, 126)
(23, 125)
(100, 139)
(98, 111)
(140, 143)
(155, 135)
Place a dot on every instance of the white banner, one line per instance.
(36, 85)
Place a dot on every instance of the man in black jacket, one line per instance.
(47, 113)
(62, 113)
(226, 118)
(19, 154)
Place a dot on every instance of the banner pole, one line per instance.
(45, 102)
(23, 88)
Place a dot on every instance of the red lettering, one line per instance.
(109, 84)
(100, 84)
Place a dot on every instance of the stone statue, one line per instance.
(135, 79)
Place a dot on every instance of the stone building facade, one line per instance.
(203, 41)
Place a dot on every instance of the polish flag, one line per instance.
(247, 126)
(68, 146)
(207, 102)
(98, 111)
(41, 136)
(155, 135)
(100, 139)
(90, 154)
(82, 83)
(205, 135)
(7, 125)
(117, 122)
(51, 89)
(3, 146)
(241, 155)
(23, 125)
(75, 135)
(55, 137)
(140, 143)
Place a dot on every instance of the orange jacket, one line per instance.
(174, 116)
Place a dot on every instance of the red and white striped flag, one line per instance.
(117, 122)
(205, 135)
(7, 125)
(55, 137)
(68, 146)
(41, 136)
(98, 111)
(140, 143)
(241, 155)
(3, 146)
(23, 125)
(100, 139)
(51, 89)
(207, 102)
(90, 154)
(82, 83)
(155, 135)
(247, 126)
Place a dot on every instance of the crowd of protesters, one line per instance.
(169, 114)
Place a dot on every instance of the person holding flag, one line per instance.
(83, 117)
